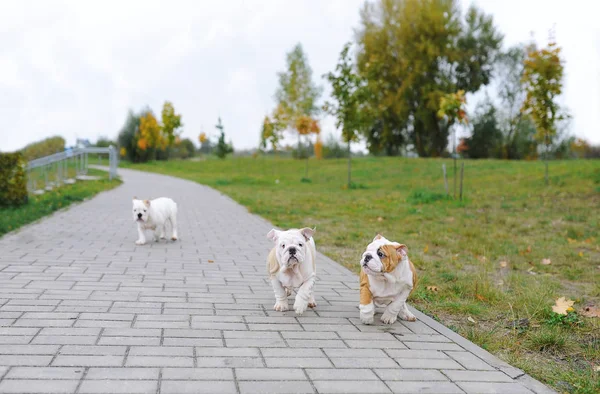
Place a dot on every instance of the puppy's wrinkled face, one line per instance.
(290, 246)
(140, 210)
(382, 256)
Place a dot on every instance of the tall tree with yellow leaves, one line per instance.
(543, 80)
(150, 134)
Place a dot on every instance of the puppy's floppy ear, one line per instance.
(308, 232)
(378, 236)
(147, 203)
(401, 250)
(273, 235)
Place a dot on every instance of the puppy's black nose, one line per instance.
(139, 215)
(368, 258)
(292, 250)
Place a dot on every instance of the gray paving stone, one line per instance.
(424, 387)
(340, 374)
(161, 317)
(283, 387)
(119, 386)
(198, 373)
(485, 387)
(270, 374)
(38, 386)
(197, 387)
(351, 386)
(477, 376)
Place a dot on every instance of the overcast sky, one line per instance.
(74, 68)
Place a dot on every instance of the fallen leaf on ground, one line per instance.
(563, 306)
(591, 311)
(483, 259)
(571, 240)
(471, 319)
(546, 261)
(504, 264)
(380, 219)
(211, 261)
(500, 283)
(426, 249)
(580, 254)
(531, 272)
(433, 288)
(597, 368)
(480, 297)
(528, 249)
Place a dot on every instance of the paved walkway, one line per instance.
(85, 310)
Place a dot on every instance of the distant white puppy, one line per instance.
(291, 265)
(153, 215)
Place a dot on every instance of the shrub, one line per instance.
(45, 147)
(13, 183)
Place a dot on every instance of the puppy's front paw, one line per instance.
(312, 304)
(408, 316)
(300, 306)
(388, 318)
(140, 242)
(281, 306)
(366, 319)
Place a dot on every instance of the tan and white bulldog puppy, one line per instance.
(387, 277)
(154, 215)
(291, 265)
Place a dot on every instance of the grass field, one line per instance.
(51, 201)
(481, 258)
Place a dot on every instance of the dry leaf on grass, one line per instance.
(563, 306)
(471, 320)
(571, 240)
(480, 297)
(546, 261)
(597, 368)
(211, 261)
(380, 219)
(528, 249)
(580, 254)
(433, 288)
(531, 272)
(590, 311)
(426, 249)
(504, 264)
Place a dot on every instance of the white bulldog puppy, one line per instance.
(291, 265)
(387, 277)
(154, 215)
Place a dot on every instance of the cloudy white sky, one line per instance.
(74, 68)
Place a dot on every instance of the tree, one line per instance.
(543, 84)
(150, 134)
(269, 133)
(296, 95)
(128, 136)
(222, 149)
(348, 90)
(206, 146)
(452, 111)
(411, 53)
(511, 92)
(170, 122)
(486, 139)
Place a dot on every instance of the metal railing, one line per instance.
(57, 169)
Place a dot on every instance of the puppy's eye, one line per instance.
(282, 246)
(144, 210)
(300, 245)
(380, 254)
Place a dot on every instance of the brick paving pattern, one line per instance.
(85, 310)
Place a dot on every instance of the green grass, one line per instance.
(508, 214)
(51, 201)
